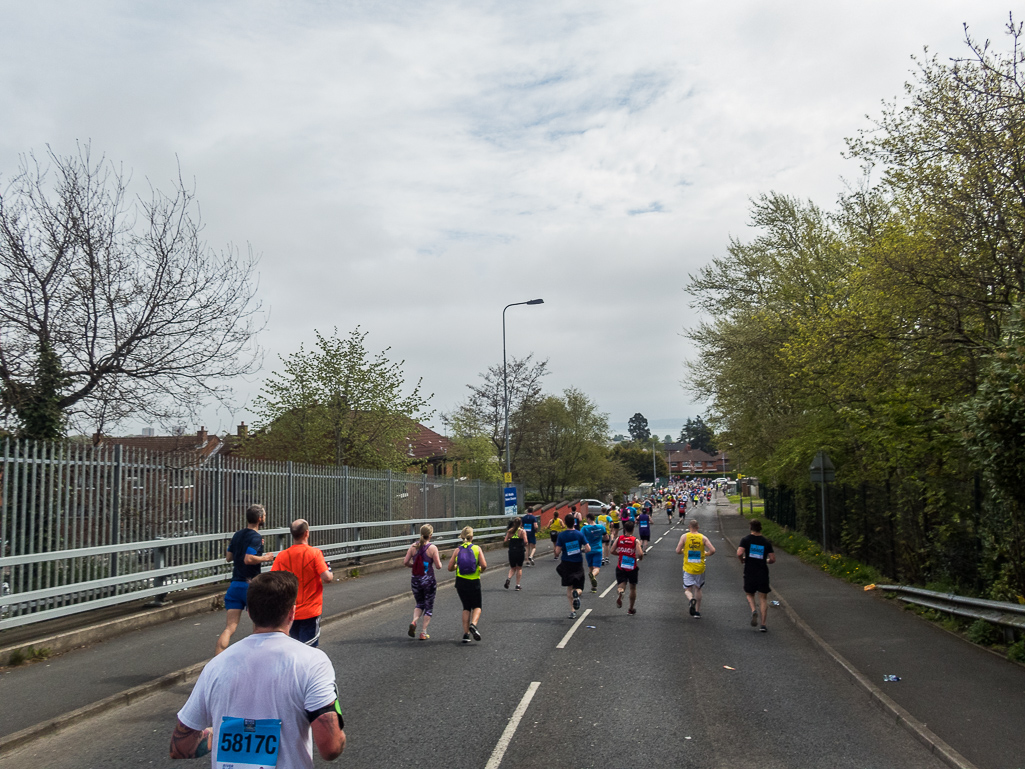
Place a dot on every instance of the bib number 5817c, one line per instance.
(247, 743)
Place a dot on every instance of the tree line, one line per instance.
(889, 330)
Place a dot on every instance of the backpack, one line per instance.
(420, 564)
(466, 561)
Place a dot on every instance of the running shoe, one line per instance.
(576, 600)
(631, 611)
(594, 580)
(424, 637)
(594, 590)
(507, 584)
(412, 630)
(693, 603)
(474, 632)
(531, 560)
(517, 587)
(466, 638)
(697, 615)
(572, 615)
(763, 629)
(619, 600)
(754, 619)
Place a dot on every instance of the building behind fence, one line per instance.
(83, 527)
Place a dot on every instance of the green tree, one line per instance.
(638, 428)
(472, 447)
(336, 404)
(637, 460)
(698, 435)
(564, 445)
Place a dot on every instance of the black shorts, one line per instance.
(469, 592)
(516, 556)
(554, 535)
(572, 573)
(306, 631)
(756, 584)
(626, 575)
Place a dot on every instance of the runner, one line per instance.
(571, 547)
(313, 572)
(530, 523)
(593, 533)
(695, 547)
(471, 564)
(629, 552)
(423, 558)
(515, 538)
(644, 528)
(245, 553)
(755, 552)
(669, 509)
(268, 687)
(554, 530)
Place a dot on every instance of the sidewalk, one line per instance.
(38, 692)
(970, 698)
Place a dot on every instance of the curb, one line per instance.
(55, 725)
(902, 717)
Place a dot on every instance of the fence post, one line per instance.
(389, 494)
(453, 496)
(115, 512)
(159, 561)
(480, 510)
(424, 495)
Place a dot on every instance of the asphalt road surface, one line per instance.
(658, 689)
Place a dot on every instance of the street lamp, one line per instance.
(505, 385)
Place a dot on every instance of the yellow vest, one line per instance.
(694, 553)
(476, 554)
(557, 525)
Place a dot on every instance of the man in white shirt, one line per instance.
(268, 697)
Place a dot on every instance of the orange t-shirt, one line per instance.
(307, 563)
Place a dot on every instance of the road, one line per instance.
(655, 689)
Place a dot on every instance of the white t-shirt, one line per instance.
(265, 675)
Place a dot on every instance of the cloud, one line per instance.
(413, 167)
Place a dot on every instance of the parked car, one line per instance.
(596, 506)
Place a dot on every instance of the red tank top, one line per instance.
(625, 549)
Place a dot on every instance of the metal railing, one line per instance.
(84, 527)
(1010, 616)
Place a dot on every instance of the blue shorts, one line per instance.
(306, 631)
(235, 598)
(594, 559)
(531, 537)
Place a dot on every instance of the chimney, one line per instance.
(243, 431)
(201, 435)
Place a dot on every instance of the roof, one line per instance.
(424, 443)
(200, 444)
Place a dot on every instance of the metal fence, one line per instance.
(83, 527)
(1010, 616)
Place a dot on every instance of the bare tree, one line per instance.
(111, 305)
(485, 408)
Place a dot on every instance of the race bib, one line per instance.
(573, 547)
(244, 743)
(527, 526)
(626, 563)
(693, 556)
(756, 551)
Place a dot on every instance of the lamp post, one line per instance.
(505, 387)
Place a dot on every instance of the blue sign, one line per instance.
(510, 500)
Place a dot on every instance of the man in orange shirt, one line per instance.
(308, 565)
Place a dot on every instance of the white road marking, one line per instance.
(510, 728)
(607, 591)
(572, 630)
(649, 549)
(658, 540)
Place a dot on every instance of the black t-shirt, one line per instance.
(756, 552)
(245, 541)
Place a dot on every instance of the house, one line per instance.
(684, 460)
(428, 451)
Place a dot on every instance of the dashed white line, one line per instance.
(510, 728)
(607, 590)
(658, 540)
(572, 630)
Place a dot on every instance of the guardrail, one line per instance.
(1010, 616)
(33, 606)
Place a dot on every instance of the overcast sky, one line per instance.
(412, 167)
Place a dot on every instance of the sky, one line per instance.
(413, 167)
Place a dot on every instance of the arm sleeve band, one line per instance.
(334, 707)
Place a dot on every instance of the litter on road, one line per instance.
(728, 667)
(891, 679)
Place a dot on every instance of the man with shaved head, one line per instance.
(308, 565)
